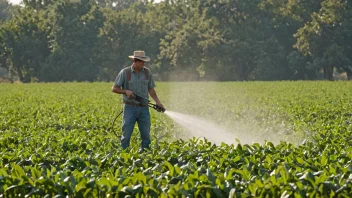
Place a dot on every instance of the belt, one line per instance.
(135, 104)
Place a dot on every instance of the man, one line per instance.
(139, 80)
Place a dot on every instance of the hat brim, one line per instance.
(142, 58)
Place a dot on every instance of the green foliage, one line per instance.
(56, 141)
(24, 44)
(222, 40)
(38, 4)
(325, 37)
(74, 35)
(126, 31)
(5, 8)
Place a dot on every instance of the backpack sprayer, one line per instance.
(141, 100)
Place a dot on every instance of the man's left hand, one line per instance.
(160, 105)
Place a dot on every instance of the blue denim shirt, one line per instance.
(138, 83)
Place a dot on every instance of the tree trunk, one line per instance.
(328, 72)
(20, 75)
(349, 74)
(243, 71)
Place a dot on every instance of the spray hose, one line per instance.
(112, 125)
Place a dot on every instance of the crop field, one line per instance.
(293, 139)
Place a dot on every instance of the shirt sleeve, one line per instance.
(120, 79)
(151, 83)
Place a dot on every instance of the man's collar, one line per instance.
(132, 69)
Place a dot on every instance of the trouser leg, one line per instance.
(144, 127)
(128, 122)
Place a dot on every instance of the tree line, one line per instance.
(222, 40)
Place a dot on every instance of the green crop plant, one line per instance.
(56, 140)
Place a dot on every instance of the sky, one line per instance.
(15, 1)
(18, 1)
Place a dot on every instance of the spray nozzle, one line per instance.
(157, 108)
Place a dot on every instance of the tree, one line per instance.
(125, 31)
(87, 40)
(74, 35)
(285, 18)
(24, 45)
(182, 46)
(327, 37)
(230, 40)
(5, 8)
(123, 4)
(38, 4)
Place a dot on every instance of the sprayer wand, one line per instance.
(154, 106)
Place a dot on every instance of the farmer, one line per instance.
(139, 80)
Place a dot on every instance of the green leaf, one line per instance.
(35, 173)
(142, 178)
(300, 160)
(17, 171)
(268, 159)
(259, 183)
(211, 176)
(237, 158)
(105, 182)
(3, 173)
(324, 160)
(170, 167)
(81, 185)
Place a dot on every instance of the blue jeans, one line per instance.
(131, 115)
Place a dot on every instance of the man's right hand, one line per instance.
(129, 94)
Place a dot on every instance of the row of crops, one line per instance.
(56, 140)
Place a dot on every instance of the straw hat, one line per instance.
(140, 55)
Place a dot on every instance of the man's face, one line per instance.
(138, 64)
